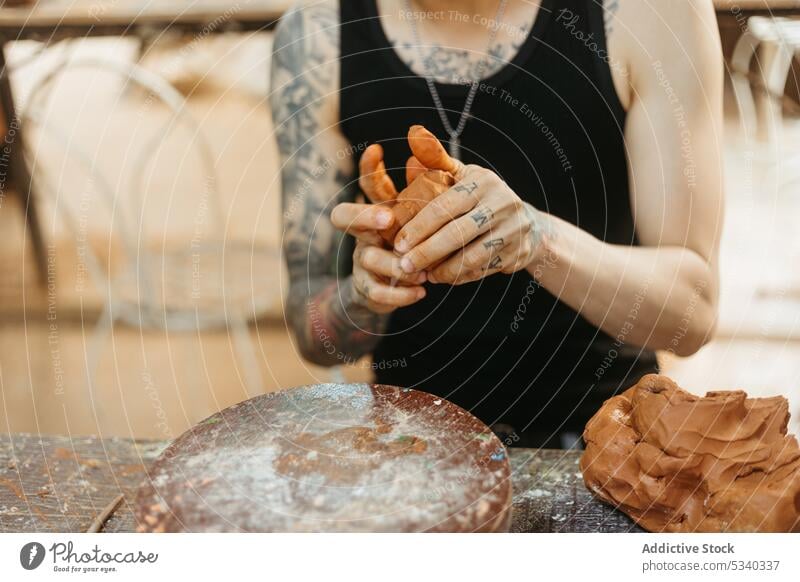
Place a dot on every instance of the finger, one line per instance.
(433, 216)
(385, 263)
(374, 290)
(373, 179)
(369, 237)
(452, 237)
(481, 255)
(468, 277)
(350, 217)
(431, 153)
(413, 169)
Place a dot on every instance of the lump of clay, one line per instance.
(410, 201)
(677, 462)
(429, 172)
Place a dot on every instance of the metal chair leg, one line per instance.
(742, 56)
(243, 343)
(776, 61)
(199, 405)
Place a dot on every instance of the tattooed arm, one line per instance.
(332, 322)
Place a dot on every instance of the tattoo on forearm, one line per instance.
(466, 188)
(342, 330)
(482, 216)
(304, 75)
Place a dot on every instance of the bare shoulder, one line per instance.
(680, 35)
(675, 18)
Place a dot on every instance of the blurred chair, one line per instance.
(774, 42)
(208, 284)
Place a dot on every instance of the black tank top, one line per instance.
(550, 124)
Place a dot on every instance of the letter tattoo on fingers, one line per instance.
(466, 188)
(495, 263)
(482, 216)
(495, 243)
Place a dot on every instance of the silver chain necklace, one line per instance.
(454, 147)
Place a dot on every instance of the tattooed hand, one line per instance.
(477, 228)
(375, 273)
(378, 282)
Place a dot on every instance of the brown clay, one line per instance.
(676, 462)
(333, 446)
(429, 172)
(410, 201)
(429, 151)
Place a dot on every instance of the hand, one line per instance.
(477, 228)
(378, 282)
(363, 221)
(376, 274)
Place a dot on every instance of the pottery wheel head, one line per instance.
(332, 457)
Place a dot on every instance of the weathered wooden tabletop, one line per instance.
(59, 484)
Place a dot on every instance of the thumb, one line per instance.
(430, 152)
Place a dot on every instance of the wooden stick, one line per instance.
(102, 518)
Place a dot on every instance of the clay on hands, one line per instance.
(414, 198)
(677, 462)
(429, 172)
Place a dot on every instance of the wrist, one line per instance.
(543, 235)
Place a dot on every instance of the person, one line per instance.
(581, 234)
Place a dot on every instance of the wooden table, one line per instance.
(59, 484)
(52, 20)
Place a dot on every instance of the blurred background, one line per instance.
(150, 295)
